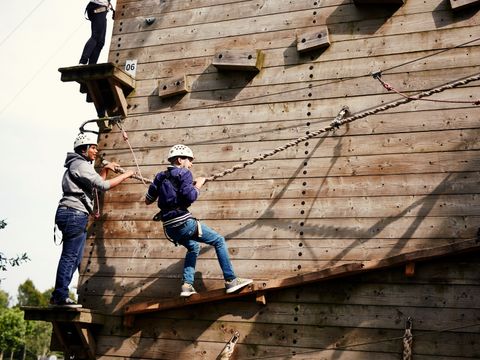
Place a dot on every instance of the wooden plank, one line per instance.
(329, 273)
(357, 145)
(84, 73)
(348, 186)
(80, 315)
(378, 207)
(421, 22)
(257, 231)
(87, 339)
(266, 249)
(416, 163)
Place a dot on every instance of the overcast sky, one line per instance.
(39, 119)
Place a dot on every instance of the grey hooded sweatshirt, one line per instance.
(78, 183)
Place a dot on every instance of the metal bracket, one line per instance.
(104, 124)
(228, 349)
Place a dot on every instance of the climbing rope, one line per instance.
(408, 340)
(125, 137)
(340, 120)
(350, 346)
(378, 76)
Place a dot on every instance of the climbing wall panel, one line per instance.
(397, 181)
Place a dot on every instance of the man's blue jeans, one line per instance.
(73, 225)
(186, 235)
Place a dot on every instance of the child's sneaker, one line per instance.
(187, 290)
(236, 284)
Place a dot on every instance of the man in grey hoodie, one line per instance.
(79, 184)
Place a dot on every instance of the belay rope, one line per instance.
(339, 120)
(408, 340)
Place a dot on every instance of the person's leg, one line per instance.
(214, 239)
(72, 223)
(93, 46)
(99, 31)
(232, 282)
(185, 236)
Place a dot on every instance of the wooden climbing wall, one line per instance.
(401, 180)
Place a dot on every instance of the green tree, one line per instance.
(12, 330)
(28, 295)
(12, 261)
(4, 299)
(37, 333)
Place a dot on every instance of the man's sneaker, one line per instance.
(187, 290)
(67, 303)
(236, 284)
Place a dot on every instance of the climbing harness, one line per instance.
(408, 340)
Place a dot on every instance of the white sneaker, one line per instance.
(187, 290)
(236, 284)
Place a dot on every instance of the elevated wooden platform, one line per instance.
(73, 329)
(106, 85)
(260, 288)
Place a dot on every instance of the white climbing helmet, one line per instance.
(180, 150)
(86, 138)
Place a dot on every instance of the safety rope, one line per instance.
(378, 76)
(408, 340)
(125, 137)
(349, 346)
(340, 120)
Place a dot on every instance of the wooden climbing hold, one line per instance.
(172, 86)
(313, 40)
(461, 4)
(240, 60)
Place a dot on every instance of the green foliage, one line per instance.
(4, 299)
(13, 261)
(12, 329)
(28, 295)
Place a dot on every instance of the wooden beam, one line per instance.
(108, 86)
(321, 275)
(87, 340)
(54, 314)
(460, 4)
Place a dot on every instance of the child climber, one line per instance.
(175, 190)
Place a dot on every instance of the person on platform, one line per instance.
(97, 14)
(175, 190)
(79, 184)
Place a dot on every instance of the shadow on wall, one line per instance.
(365, 19)
(443, 15)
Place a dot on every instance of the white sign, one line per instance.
(131, 67)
